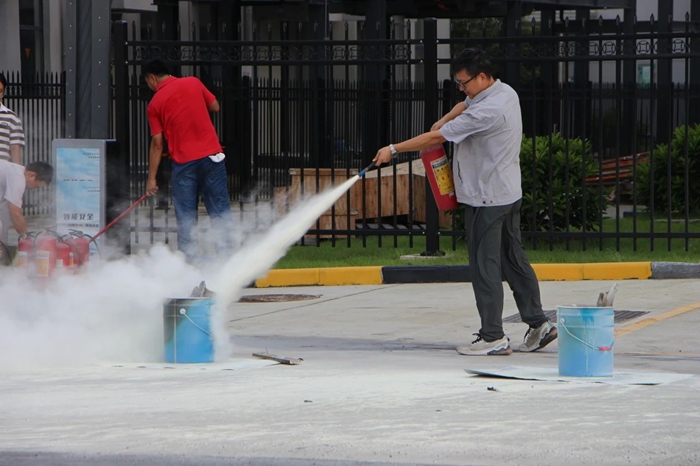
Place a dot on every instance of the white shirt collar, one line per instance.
(485, 93)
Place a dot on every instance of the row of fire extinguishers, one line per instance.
(44, 252)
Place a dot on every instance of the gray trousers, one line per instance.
(496, 252)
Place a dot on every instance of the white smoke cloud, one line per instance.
(113, 310)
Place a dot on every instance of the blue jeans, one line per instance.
(206, 178)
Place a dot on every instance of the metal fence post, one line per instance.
(121, 92)
(432, 227)
(100, 70)
(581, 78)
(119, 165)
(665, 74)
(71, 60)
(694, 64)
(629, 73)
(512, 31)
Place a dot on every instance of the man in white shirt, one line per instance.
(11, 130)
(487, 129)
(14, 180)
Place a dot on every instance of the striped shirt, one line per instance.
(11, 131)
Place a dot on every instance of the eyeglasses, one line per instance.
(463, 84)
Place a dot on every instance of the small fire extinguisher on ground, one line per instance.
(25, 251)
(65, 256)
(45, 252)
(439, 174)
(81, 241)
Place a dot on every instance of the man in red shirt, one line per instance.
(179, 114)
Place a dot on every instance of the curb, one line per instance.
(664, 270)
(322, 276)
(378, 275)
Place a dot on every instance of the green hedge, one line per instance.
(675, 201)
(566, 164)
(567, 191)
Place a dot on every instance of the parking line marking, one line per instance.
(652, 320)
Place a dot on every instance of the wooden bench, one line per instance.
(614, 169)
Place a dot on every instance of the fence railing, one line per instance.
(291, 104)
(39, 101)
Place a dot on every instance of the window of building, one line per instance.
(31, 34)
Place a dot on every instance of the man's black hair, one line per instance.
(3, 81)
(44, 171)
(155, 67)
(473, 61)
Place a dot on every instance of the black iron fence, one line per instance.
(300, 114)
(39, 101)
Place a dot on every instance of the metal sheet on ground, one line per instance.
(552, 375)
(620, 316)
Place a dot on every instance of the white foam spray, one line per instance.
(259, 254)
(112, 312)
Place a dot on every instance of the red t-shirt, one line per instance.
(179, 110)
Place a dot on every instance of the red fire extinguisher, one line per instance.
(65, 253)
(439, 173)
(81, 242)
(25, 248)
(45, 253)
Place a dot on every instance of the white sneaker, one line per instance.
(479, 347)
(538, 338)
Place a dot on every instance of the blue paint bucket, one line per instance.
(586, 337)
(188, 337)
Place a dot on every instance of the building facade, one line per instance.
(33, 32)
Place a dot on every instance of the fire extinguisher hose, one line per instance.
(121, 216)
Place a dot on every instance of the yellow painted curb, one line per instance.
(652, 320)
(322, 276)
(593, 271)
(351, 276)
(289, 277)
(558, 272)
(617, 271)
(373, 275)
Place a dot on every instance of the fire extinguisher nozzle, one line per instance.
(369, 167)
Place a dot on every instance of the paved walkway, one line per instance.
(380, 384)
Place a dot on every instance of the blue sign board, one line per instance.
(79, 166)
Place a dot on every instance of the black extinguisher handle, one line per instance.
(369, 167)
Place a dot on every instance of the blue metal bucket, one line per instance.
(187, 332)
(586, 338)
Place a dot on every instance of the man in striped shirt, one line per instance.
(14, 180)
(11, 131)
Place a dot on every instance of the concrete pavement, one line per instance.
(380, 384)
